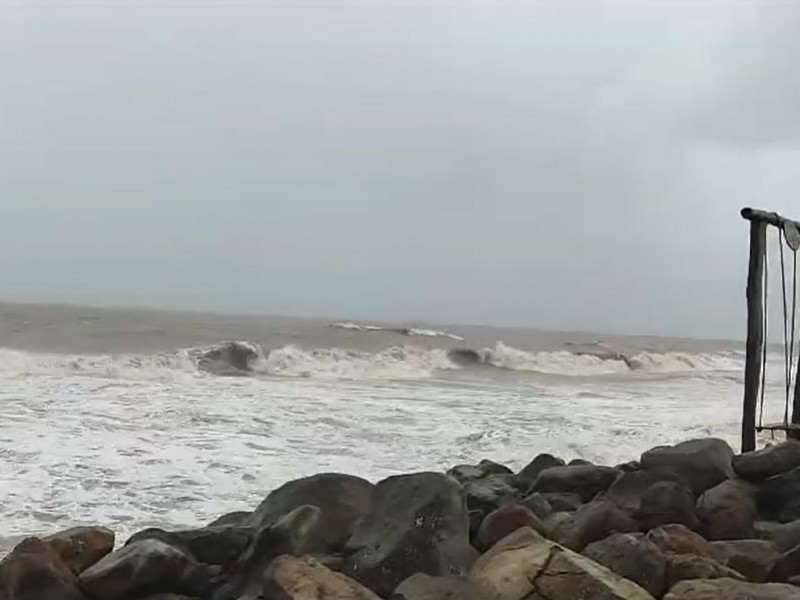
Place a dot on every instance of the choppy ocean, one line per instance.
(134, 418)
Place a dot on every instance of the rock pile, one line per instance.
(686, 522)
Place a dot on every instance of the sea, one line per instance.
(133, 418)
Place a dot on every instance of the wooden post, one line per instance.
(755, 332)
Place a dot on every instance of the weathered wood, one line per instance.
(755, 331)
(796, 402)
(763, 216)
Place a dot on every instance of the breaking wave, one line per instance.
(409, 331)
(237, 358)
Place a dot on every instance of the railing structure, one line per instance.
(755, 362)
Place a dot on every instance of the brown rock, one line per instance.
(291, 578)
(526, 566)
(731, 589)
(595, 521)
(634, 557)
(145, 567)
(33, 571)
(752, 558)
(678, 539)
(728, 511)
(81, 547)
(504, 521)
(689, 566)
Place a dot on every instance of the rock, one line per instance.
(731, 589)
(504, 521)
(528, 475)
(786, 566)
(578, 461)
(678, 539)
(291, 578)
(425, 587)
(778, 497)
(34, 571)
(773, 460)
(293, 534)
(464, 473)
(629, 467)
(227, 358)
(213, 545)
(146, 567)
(418, 523)
(728, 511)
(665, 503)
(168, 597)
(785, 535)
(634, 557)
(526, 566)
(538, 504)
(702, 463)
(485, 495)
(562, 502)
(629, 488)
(752, 558)
(585, 480)
(595, 521)
(80, 547)
(559, 524)
(235, 518)
(343, 500)
(688, 566)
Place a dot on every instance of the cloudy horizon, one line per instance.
(577, 168)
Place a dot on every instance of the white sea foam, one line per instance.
(409, 331)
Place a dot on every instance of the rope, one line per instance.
(765, 304)
(786, 352)
(794, 329)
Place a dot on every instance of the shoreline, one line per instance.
(675, 523)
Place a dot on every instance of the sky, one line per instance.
(569, 165)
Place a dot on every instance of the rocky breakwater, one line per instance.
(686, 522)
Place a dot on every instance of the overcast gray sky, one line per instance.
(556, 164)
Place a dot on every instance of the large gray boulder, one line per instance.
(592, 522)
(342, 500)
(294, 534)
(146, 567)
(418, 523)
(667, 502)
(525, 478)
(702, 463)
(629, 488)
(213, 545)
(585, 480)
(754, 559)
(728, 511)
(785, 535)
(634, 557)
(761, 464)
(779, 497)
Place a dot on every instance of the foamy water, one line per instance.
(134, 439)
